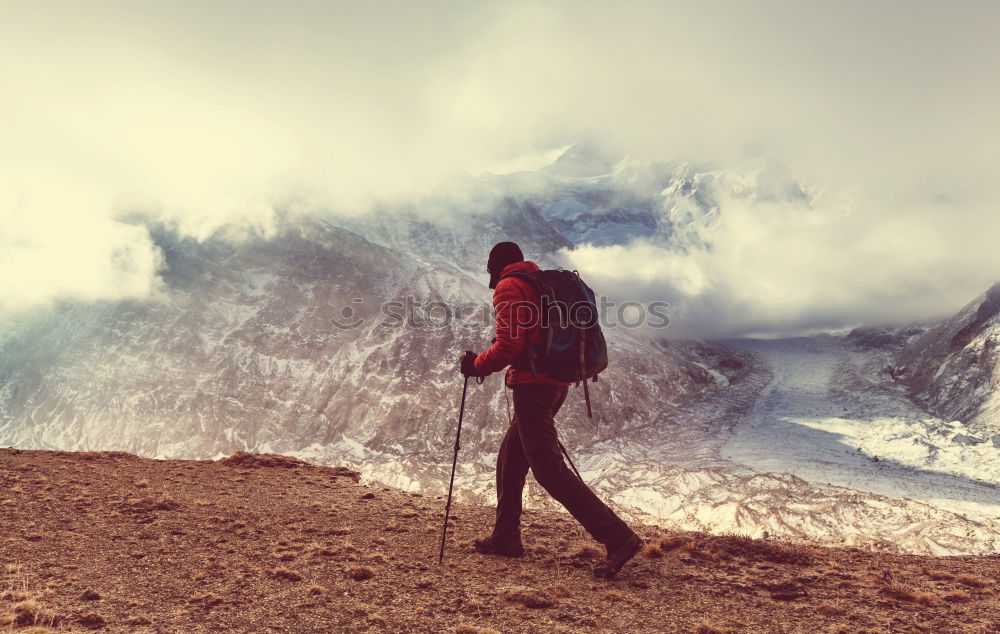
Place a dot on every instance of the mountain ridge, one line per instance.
(955, 366)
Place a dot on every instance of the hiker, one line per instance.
(531, 440)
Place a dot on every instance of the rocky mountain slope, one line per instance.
(954, 368)
(117, 543)
(240, 353)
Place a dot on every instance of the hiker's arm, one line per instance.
(513, 316)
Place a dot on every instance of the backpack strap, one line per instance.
(529, 355)
(524, 275)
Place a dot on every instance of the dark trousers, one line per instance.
(531, 442)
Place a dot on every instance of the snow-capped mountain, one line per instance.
(241, 354)
(458, 236)
(954, 368)
(814, 437)
(671, 203)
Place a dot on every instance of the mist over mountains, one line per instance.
(238, 350)
(207, 116)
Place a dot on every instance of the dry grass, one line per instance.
(694, 549)
(24, 607)
(762, 549)
(666, 543)
(284, 555)
(531, 597)
(14, 596)
(92, 620)
(208, 599)
(957, 596)
(285, 574)
(828, 608)
(360, 573)
(653, 551)
(902, 593)
(319, 551)
(465, 628)
(29, 613)
(972, 582)
(474, 606)
(246, 460)
(939, 575)
(587, 551)
(560, 590)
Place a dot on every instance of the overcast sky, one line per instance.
(209, 111)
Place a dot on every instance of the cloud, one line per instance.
(209, 112)
(761, 265)
(59, 246)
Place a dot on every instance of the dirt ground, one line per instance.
(119, 543)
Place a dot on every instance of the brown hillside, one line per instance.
(267, 543)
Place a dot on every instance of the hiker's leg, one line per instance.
(535, 407)
(512, 468)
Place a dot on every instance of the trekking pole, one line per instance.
(454, 463)
(570, 460)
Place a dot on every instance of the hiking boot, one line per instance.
(618, 556)
(492, 546)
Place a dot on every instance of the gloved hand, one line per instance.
(467, 364)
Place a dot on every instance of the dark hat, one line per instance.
(501, 255)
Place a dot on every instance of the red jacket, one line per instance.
(517, 307)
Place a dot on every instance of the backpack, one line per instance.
(572, 347)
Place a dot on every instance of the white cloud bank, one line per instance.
(59, 246)
(770, 267)
(205, 112)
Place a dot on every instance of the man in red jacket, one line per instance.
(531, 440)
